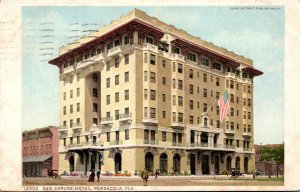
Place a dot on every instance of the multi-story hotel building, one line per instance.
(137, 93)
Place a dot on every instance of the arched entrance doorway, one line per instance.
(192, 164)
(118, 162)
(228, 164)
(237, 163)
(246, 160)
(149, 162)
(205, 164)
(71, 162)
(163, 162)
(176, 162)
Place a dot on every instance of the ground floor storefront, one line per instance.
(167, 161)
(37, 166)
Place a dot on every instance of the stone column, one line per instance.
(135, 37)
(212, 139)
(90, 161)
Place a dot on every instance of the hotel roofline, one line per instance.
(138, 17)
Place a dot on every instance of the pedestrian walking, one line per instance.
(156, 173)
(92, 176)
(145, 177)
(98, 175)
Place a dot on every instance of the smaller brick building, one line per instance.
(40, 151)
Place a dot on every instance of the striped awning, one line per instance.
(40, 158)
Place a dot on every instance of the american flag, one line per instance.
(223, 105)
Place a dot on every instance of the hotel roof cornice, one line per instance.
(139, 19)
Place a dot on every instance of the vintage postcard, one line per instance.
(122, 97)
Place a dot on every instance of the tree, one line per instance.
(275, 153)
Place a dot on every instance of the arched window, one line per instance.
(205, 121)
(118, 162)
(71, 162)
(176, 162)
(149, 162)
(163, 162)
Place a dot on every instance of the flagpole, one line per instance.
(214, 102)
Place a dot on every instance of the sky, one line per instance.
(254, 32)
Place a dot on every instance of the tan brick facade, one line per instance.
(140, 95)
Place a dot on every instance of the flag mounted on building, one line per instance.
(223, 105)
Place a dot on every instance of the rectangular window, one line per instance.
(180, 68)
(249, 89)
(249, 102)
(179, 137)
(117, 114)
(217, 110)
(95, 121)
(146, 135)
(237, 126)
(231, 111)
(174, 100)
(71, 108)
(145, 76)
(205, 62)
(244, 88)
(164, 136)
(180, 101)
(95, 77)
(145, 58)
(191, 73)
(153, 95)
(126, 59)
(65, 110)
(126, 40)
(174, 66)
(217, 66)
(164, 114)
(231, 98)
(180, 84)
(145, 111)
(127, 94)
(145, 93)
(71, 79)
(180, 117)
(217, 81)
(231, 84)
(117, 97)
(204, 92)
(71, 94)
(117, 62)
(107, 99)
(117, 43)
(204, 77)
(71, 140)
(174, 117)
(191, 119)
(164, 63)
(191, 104)
(107, 82)
(78, 92)
(218, 124)
(204, 107)
(237, 99)
(108, 136)
(237, 86)
(152, 134)
(245, 114)
(117, 135)
(152, 112)
(149, 40)
(117, 80)
(249, 115)
(244, 101)
(126, 134)
(95, 92)
(126, 76)
(191, 89)
(174, 83)
(227, 125)
(95, 107)
(152, 77)
(191, 57)
(108, 66)
(65, 95)
(164, 97)
(237, 112)
(152, 59)
(163, 80)
(78, 107)
(232, 125)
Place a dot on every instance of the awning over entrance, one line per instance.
(40, 158)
